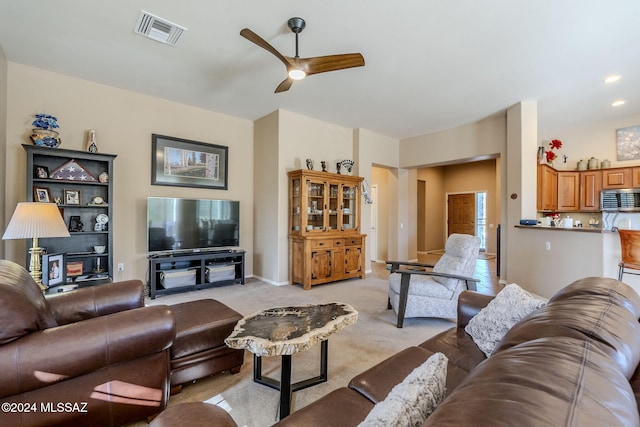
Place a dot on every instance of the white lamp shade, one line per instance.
(35, 219)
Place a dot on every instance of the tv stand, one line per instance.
(188, 271)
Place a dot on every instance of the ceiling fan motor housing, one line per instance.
(296, 24)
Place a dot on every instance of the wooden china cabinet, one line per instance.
(325, 240)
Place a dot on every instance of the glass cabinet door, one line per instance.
(315, 206)
(349, 211)
(334, 206)
(296, 205)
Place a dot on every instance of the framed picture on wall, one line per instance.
(183, 163)
(628, 143)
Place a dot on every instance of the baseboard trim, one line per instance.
(271, 282)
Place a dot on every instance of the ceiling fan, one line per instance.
(298, 68)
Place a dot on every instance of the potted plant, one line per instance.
(44, 134)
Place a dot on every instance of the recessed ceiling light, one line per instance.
(612, 78)
(618, 103)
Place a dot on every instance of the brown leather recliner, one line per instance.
(96, 356)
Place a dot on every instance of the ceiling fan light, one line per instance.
(612, 78)
(297, 74)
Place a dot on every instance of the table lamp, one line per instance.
(32, 220)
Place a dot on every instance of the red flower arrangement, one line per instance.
(550, 156)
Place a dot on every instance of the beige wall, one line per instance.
(485, 139)
(284, 140)
(266, 208)
(435, 208)
(124, 122)
(596, 139)
(475, 141)
(374, 150)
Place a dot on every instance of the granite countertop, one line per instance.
(578, 229)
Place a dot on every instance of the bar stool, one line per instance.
(630, 245)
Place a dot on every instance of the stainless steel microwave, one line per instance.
(622, 200)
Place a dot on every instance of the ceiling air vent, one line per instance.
(158, 29)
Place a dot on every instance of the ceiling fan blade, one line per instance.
(254, 38)
(323, 64)
(285, 85)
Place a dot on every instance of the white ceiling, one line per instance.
(430, 64)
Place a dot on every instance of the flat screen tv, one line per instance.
(177, 224)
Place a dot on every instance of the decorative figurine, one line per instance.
(324, 166)
(92, 146)
(338, 167)
(348, 165)
(310, 164)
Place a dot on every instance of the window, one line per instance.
(481, 219)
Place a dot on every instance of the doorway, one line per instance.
(373, 235)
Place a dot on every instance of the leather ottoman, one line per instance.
(199, 349)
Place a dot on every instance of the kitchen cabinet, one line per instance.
(547, 194)
(590, 186)
(635, 177)
(568, 191)
(325, 241)
(617, 178)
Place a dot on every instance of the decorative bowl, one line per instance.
(46, 138)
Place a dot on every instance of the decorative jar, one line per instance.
(45, 138)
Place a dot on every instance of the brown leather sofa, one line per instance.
(94, 357)
(572, 363)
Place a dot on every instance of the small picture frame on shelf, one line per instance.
(53, 271)
(75, 268)
(41, 194)
(72, 197)
(40, 172)
(75, 224)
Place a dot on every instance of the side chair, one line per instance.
(424, 290)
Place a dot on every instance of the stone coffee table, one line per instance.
(284, 331)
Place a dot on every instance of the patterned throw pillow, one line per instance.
(511, 305)
(414, 399)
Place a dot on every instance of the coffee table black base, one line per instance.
(284, 385)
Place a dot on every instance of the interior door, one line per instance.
(461, 214)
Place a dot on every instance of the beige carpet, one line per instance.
(352, 350)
